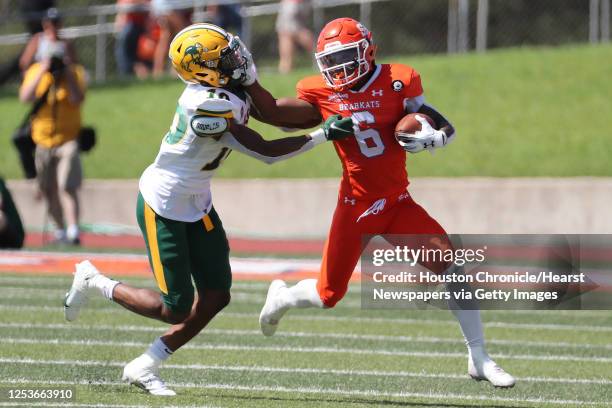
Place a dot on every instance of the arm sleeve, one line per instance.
(412, 105)
(230, 141)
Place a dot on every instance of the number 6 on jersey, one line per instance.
(369, 140)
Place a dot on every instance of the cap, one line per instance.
(53, 14)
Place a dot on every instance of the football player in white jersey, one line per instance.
(184, 236)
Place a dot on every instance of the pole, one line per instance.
(482, 25)
(245, 29)
(593, 21)
(365, 13)
(452, 26)
(317, 15)
(100, 48)
(463, 23)
(605, 21)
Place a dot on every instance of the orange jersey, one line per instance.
(374, 164)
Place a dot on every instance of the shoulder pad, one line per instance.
(310, 83)
(406, 80)
(216, 107)
(401, 68)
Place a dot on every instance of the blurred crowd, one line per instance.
(145, 27)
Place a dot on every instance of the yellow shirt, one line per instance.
(55, 125)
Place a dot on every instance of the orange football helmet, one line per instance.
(345, 52)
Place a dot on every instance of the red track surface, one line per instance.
(243, 268)
(137, 265)
(238, 245)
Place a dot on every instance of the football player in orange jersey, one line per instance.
(373, 197)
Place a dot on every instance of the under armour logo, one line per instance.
(350, 201)
(377, 92)
(426, 145)
(403, 196)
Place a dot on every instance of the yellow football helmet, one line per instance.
(206, 54)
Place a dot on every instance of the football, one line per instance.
(410, 125)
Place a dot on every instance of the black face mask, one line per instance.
(231, 59)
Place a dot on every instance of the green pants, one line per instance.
(179, 251)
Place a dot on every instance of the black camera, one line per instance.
(57, 65)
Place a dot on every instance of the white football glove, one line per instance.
(249, 73)
(425, 139)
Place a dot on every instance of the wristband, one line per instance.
(318, 136)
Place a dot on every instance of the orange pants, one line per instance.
(352, 220)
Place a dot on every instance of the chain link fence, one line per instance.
(400, 27)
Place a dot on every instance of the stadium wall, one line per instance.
(285, 208)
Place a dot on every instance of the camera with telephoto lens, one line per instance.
(57, 65)
(56, 51)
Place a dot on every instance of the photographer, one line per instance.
(59, 84)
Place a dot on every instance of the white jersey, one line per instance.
(177, 184)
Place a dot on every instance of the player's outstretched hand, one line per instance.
(427, 138)
(336, 127)
(249, 75)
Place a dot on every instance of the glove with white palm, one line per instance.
(427, 138)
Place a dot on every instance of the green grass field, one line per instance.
(345, 357)
(519, 112)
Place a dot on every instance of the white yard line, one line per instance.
(356, 319)
(57, 295)
(327, 391)
(65, 404)
(343, 336)
(290, 370)
(80, 405)
(17, 282)
(438, 322)
(349, 300)
(293, 349)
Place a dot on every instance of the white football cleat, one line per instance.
(78, 295)
(489, 371)
(144, 375)
(270, 313)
